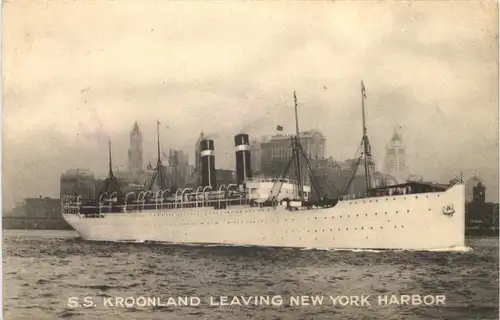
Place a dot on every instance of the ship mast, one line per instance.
(159, 172)
(159, 165)
(158, 140)
(111, 184)
(366, 142)
(297, 154)
(296, 146)
(110, 161)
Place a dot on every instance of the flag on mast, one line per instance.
(279, 128)
(363, 90)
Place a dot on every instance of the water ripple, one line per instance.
(41, 273)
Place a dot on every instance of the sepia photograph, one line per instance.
(250, 160)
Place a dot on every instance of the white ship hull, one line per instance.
(424, 221)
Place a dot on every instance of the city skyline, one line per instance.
(238, 74)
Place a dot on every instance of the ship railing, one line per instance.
(161, 206)
(188, 201)
(160, 196)
(196, 195)
(107, 203)
(220, 189)
(71, 205)
(183, 198)
(271, 179)
(186, 198)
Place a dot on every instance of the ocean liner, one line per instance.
(286, 211)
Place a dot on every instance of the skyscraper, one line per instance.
(395, 158)
(78, 182)
(177, 169)
(195, 179)
(255, 156)
(470, 185)
(197, 153)
(276, 152)
(135, 154)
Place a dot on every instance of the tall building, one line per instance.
(79, 182)
(255, 156)
(195, 178)
(225, 177)
(135, 155)
(470, 185)
(197, 152)
(178, 169)
(277, 151)
(395, 158)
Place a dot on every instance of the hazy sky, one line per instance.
(91, 68)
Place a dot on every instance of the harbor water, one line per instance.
(57, 275)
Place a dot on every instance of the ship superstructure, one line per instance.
(282, 211)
